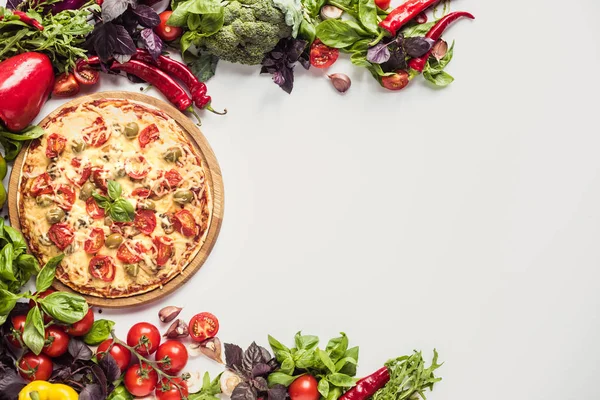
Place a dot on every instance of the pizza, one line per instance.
(118, 188)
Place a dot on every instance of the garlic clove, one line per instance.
(341, 82)
(331, 12)
(177, 330)
(169, 313)
(229, 380)
(210, 348)
(439, 49)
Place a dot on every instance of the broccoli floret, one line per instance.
(251, 29)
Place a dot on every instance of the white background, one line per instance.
(465, 219)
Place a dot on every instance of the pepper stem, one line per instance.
(212, 110)
(191, 110)
(381, 35)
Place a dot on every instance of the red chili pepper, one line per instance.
(368, 386)
(418, 64)
(26, 19)
(183, 73)
(405, 13)
(158, 79)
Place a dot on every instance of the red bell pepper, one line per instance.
(26, 81)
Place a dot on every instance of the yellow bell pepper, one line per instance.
(42, 390)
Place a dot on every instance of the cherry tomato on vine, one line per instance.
(82, 327)
(65, 85)
(166, 32)
(57, 341)
(304, 387)
(203, 326)
(32, 367)
(18, 324)
(175, 389)
(398, 81)
(321, 55)
(171, 356)
(144, 337)
(120, 353)
(140, 379)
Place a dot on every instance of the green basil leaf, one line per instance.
(186, 41)
(11, 148)
(103, 201)
(323, 387)
(313, 7)
(305, 359)
(341, 380)
(205, 7)
(334, 393)
(180, 14)
(32, 132)
(307, 31)
(337, 33)
(3, 319)
(193, 22)
(34, 332)
(114, 190)
(99, 333)
(17, 239)
(341, 364)
(367, 14)
(336, 348)
(28, 263)
(65, 307)
(417, 29)
(120, 393)
(441, 78)
(7, 301)
(46, 276)
(280, 350)
(211, 23)
(306, 342)
(6, 263)
(327, 361)
(203, 66)
(122, 211)
(279, 378)
(350, 368)
(288, 365)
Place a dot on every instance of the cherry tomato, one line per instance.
(147, 135)
(56, 145)
(99, 176)
(65, 85)
(65, 197)
(125, 255)
(137, 167)
(93, 209)
(171, 356)
(96, 134)
(203, 326)
(32, 367)
(398, 81)
(16, 332)
(85, 74)
(383, 4)
(95, 242)
(102, 267)
(61, 235)
(164, 246)
(140, 380)
(173, 178)
(141, 192)
(41, 185)
(175, 389)
(80, 328)
(421, 18)
(57, 341)
(184, 222)
(304, 388)
(166, 32)
(120, 353)
(144, 337)
(44, 294)
(80, 173)
(145, 221)
(321, 55)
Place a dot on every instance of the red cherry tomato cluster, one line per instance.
(39, 367)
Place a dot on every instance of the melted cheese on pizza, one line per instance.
(110, 155)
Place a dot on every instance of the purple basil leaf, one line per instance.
(104, 40)
(67, 5)
(277, 392)
(260, 384)
(244, 391)
(278, 78)
(92, 392)
(130, 21)
(252, 356)
(397, 59)
(10, 383)
(110, 368)
(112, 9)
(378, 54)
(288, 82)
(146, 16)
(13, 4)
(124, 42)
(79, 350)
(266, 356)
(295, 49)
(233, 355)
(417, 46)
(152, 42)
(261, 370)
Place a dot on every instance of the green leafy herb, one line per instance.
(118, 208)
(203, 65)
(408, 377)
(434, 69)
(64, 307)
(46, 275)
(120, 393)
(209, 389)
(367, 14)
(16, 267)
(337, 33)
(99, 333)
(334, 367)
(34, 331)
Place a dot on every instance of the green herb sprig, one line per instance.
(118, 208)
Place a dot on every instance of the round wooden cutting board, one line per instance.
(215, 182)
